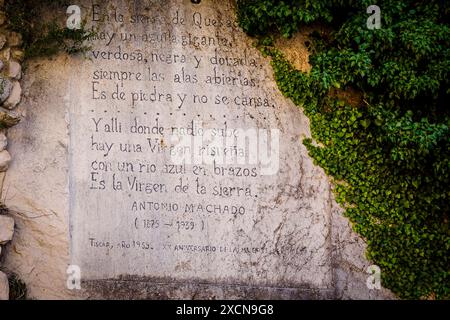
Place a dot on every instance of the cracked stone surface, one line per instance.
(292, 242)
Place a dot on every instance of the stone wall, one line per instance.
(45, 191)
(10, 96)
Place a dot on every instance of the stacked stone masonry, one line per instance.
(11, 56)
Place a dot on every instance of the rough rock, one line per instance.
(4, 286)
(9, 119)
(18, 54)
(6, 54)
(41, 249)
(5, 159)
(5, 89)
(14, 97)
(6, 228)
(15, 70)
(2, 18)
(295, 49)
(14, 39)
(3, 141)
(2, 41)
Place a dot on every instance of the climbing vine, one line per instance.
(389, 153)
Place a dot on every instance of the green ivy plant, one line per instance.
(389, 155)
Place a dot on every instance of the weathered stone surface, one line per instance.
(14, 39)
(5, 159)
(18, 54)
(6, 54)
(2, 18)
(9, 119)
(5, 89)
(14, 97)
(15, 70)
(289, 243)
(348, 255)
(6, 227)
(4, 286)
(38, 179)
(254, 223)
(3, 141)
(2, 40)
